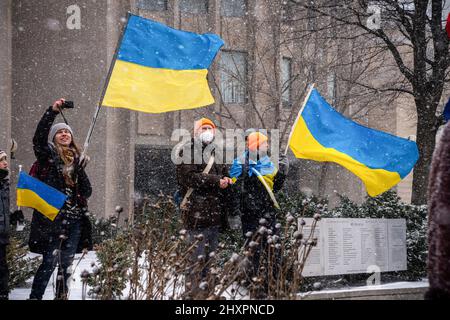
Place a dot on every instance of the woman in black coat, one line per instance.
(58, 165)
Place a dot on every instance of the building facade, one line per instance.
(258, 80)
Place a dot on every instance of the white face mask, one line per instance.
(206, 137)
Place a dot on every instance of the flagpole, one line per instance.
(105, 86)
(311, 87)
(20, 226)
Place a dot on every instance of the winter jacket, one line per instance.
(439, 220)
(44, 230)
(250, 198)
(4, 211)
(208, 204)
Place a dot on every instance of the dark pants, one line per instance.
(59, 252)
(252, 224)
(205, 247)
(4, 273)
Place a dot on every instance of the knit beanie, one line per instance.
(255, 139)
(202, 122)
(55, 128)
(3, 154)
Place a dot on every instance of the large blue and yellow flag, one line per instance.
(379, 159)
(35, 194)
(160, 69)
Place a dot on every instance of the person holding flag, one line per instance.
(256, 178)
(58, 237)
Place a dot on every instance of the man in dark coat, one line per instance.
(65, 234)
(439, 220)
(5, 220)
(205, 203)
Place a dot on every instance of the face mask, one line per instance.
(206, 137)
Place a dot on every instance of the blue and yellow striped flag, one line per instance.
(160, 69)
(35, 194)
(379, 159)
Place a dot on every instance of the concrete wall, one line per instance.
(5, 74)
(42, 60)
(51, 61)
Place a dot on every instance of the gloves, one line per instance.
(283, 164)
(16, 216)
(84, 160)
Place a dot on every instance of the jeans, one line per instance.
(4, 273)
(59, 252)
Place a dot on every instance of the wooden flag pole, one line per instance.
(105, 86)
(311, 87)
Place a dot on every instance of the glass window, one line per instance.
(233, 77)
(233, 8)
(286, 78)
(331, 83)
(194, 6)
(152, 5)
(154, 171)
(311, 16)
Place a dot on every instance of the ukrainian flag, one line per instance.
(263, 169)
(35, 194)
(379, 159)
(160, 69)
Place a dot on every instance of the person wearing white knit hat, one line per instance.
(59, 166)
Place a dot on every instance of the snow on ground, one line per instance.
(392, 285)
(75, 285)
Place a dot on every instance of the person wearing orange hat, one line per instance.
(254, 173)
(205, 188)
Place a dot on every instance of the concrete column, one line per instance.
(5, 74)
(51, 60)
(119, 173)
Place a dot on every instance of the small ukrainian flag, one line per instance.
(35, 194)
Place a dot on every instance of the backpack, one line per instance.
(39, 172)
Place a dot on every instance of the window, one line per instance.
(331, 83)
(286, 78)
(152, 5)
(287, 12)
(154, 171)
(233, 77)
(194, 6)
(233, 8)
(311, 16)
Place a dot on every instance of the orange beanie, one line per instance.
(255, 139)
(202, 122)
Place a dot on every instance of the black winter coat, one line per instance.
(251, 199)
(43, 230)
(208, 204)
(4, 212)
